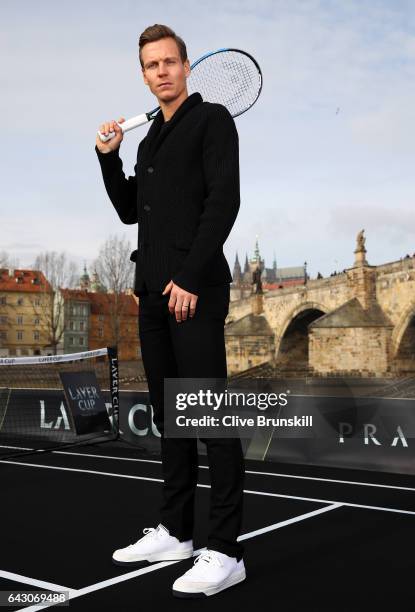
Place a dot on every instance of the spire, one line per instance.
(246, 267)
(257, 256)
(85, 281)
(237, 273)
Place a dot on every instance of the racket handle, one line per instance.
(130, 124)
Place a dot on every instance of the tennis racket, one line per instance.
(227, 76)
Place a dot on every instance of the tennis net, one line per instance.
(48, 402)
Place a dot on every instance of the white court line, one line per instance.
(265, 493)
(16, 447)
(331, 501)
(50, 586)
(337, 481)
(110, 457)
(256, 473)
(68, 469)
(290, 521)
(117, 579)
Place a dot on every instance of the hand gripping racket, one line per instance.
(227, 76)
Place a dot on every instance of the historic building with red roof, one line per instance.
(26, 302)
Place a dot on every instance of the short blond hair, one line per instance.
(157, 32)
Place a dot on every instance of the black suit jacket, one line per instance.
(184, 196)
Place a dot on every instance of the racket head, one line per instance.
(228, 76)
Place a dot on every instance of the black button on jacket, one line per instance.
(184, 196)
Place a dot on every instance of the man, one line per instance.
(185, 198)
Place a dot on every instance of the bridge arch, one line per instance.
(403, 335)
(291, 346)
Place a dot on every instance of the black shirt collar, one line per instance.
(156, 134)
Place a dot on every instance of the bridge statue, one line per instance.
(360, 250)
(256, 280)
(360, 241)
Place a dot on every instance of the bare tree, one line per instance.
(116, 272)
(60, 273)
(8, 262)
(113, 264)
(4, 259)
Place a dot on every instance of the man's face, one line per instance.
(163, 70)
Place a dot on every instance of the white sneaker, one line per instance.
(212, 572)
(156, 545)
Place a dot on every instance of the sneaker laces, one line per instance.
(150, 532)
(210, 557)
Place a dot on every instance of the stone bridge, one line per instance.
(359, 322)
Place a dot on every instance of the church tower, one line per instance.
(246, 274)
(237, 272)
(256, 261)
(85, 281)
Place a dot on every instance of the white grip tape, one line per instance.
(130, 124)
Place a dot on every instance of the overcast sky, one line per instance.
(327, 150)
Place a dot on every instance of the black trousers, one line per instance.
(194, 348)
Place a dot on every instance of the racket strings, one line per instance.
(230, 78)
(243, 80)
